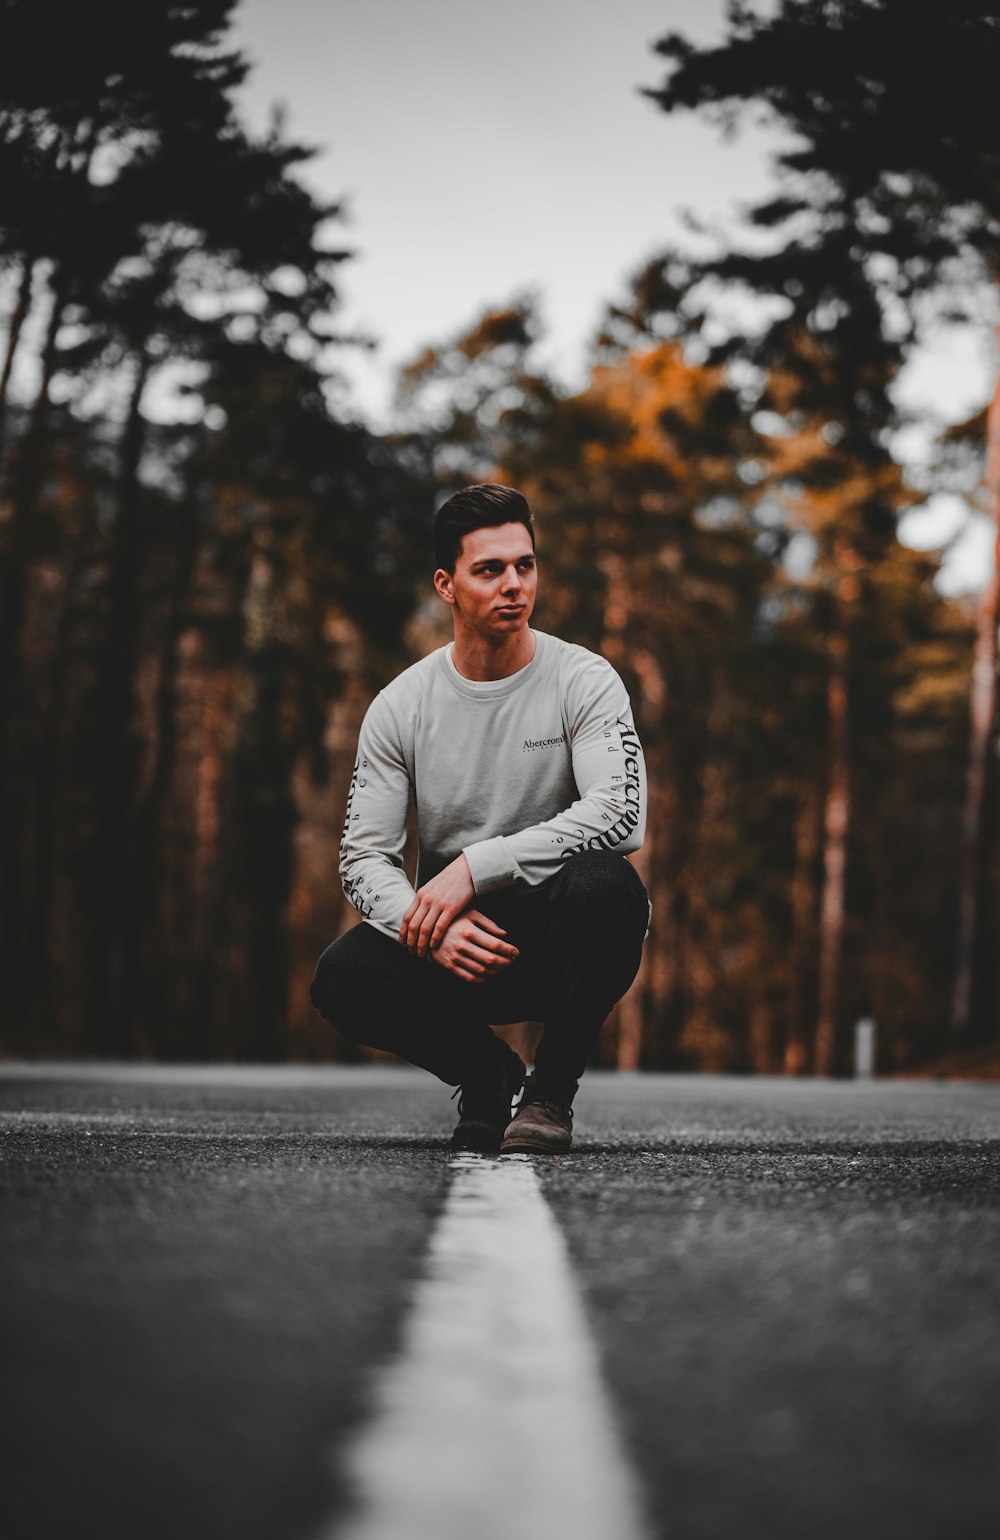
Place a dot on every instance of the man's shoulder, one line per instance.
(576, 663)
(591, 690)
(416, 674)
(411, 684)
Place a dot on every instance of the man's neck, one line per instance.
(482, 659)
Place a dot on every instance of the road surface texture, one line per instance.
(790, 1291)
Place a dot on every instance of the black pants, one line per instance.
(579, 936)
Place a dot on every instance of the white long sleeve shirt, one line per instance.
(517, 773)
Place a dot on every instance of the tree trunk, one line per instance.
(760, 1031)
(836, 817)
(38, 978)
(117, 923)
(261, 850)
(24, 480)
(22, 306)
(148, 849)
(803, 947)
(219, 688)
(705, 1035)
(631, 1010)
(983, 706)
(199, 996)
(165, 709)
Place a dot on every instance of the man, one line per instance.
(520, 755)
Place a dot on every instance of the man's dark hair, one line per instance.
(479, 507)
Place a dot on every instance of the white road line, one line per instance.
(493, 1422)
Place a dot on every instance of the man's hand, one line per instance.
(473, 948)
(435, 905)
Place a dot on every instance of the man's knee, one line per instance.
(603, 885)
(599, 871)
(339, 977)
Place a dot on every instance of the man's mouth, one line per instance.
(510, 609)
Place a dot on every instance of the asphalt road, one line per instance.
(794, 1289)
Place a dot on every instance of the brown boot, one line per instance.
(484, 1106)
(542, 1123)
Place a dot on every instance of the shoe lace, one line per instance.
(471, 1101)
(537, 1096)
(476, 1098)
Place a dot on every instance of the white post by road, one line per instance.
(864, 1048)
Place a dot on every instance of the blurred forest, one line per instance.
(206, 573)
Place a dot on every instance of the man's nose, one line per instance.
(511, 580)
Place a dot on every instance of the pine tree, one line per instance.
(160, 236)
(891, 185)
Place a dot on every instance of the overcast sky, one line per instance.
(481, 150)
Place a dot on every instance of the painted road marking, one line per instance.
(493, 1421)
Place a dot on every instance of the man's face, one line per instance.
(493, 585)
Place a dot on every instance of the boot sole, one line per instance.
(481, 1142)
(535, 1146)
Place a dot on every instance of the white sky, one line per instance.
(482, 150)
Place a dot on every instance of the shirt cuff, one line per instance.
(491, 864)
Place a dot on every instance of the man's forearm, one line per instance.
(374, 837)
(614, 820)
(379, 890)
(609, 813)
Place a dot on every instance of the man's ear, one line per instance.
(443, 584)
